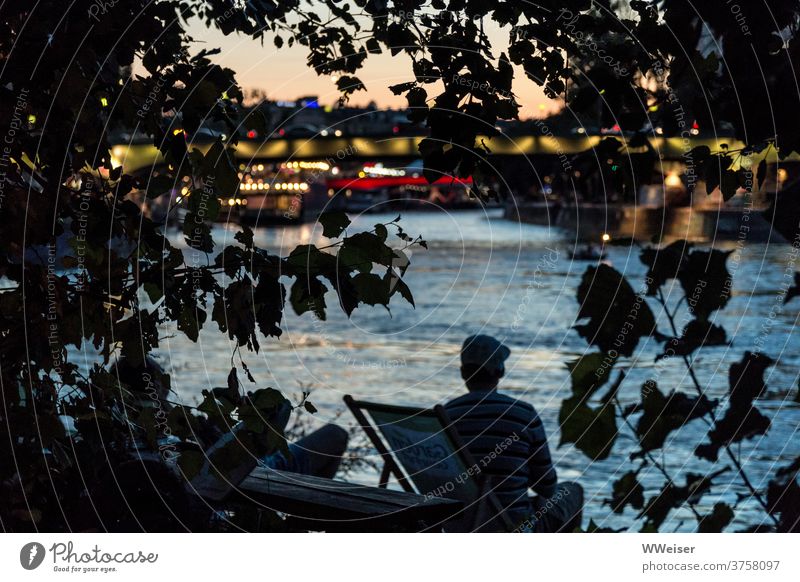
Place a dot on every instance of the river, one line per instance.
(483, 274)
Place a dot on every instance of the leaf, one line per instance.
(746, 377)
(663, 263)
(348, 84)
(400, 287)
(154, 292)
(659, 506)
(197, 234)
(233, 386)
(730, 183)
(381, 232)
(245, 237)
(592, 430)
(589, 372)
(217, 164)
(333, 223)
(373, 46)
(268, 301)
(784, 212)
(190, 321)
(761, 173)
(626, 491)
(361, 250)
(203, 205)
(706, 281)
(402, 87)
(783, 499)
(742, 420)
(617, 316)
(663, 414)
(719, 518)
(161, 184)
(697, 333)
(308, 294)
(308, 260)
(672, 496)
(371, 289)
(715, 168)
(309, 407)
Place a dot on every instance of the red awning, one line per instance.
(378, 183)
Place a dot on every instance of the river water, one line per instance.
(483, 274)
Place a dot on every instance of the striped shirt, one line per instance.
(507, 440)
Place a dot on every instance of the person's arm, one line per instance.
(541, 472)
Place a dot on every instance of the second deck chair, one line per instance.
(422, 450)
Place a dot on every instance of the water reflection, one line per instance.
(482, 274)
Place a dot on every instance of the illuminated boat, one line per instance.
(288, 192)
(376, 187)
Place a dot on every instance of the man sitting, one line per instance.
(487, 421)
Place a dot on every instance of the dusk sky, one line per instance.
(283, 74)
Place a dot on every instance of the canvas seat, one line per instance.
(421, 449)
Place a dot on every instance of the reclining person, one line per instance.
(488, 421)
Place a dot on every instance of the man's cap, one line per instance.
(486, 352)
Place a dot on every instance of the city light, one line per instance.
(673, 180)
(324, 166)
(380, 170)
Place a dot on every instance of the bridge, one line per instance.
(140, 156)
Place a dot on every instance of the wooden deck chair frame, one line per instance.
(391, 467)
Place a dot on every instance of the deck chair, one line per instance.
(421, 449)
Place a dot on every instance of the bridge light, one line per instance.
(338, 133)
(606, 237)
(231, 202)
(673, 180)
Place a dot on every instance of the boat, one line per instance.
(289, 192)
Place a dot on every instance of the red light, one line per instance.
(282, 132)
(396, 129)
(695, 126)
(616, 127)
(252, 134)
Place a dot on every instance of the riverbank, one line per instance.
(589, 222)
